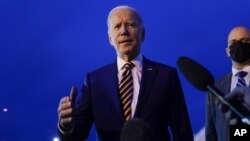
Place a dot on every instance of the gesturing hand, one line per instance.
(66, 109)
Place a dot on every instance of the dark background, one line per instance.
(46, 46)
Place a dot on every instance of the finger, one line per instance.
(233, 121)
(73, 95)
(66, 121)
(65, 113)
(64, 99)
(223, 108)
(229, 115)
(64, 106)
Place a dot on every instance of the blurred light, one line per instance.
(5, 110)
(55, 139)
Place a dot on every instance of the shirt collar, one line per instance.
(137, 61)
(246, 69)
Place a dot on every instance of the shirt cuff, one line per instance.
(64, 131)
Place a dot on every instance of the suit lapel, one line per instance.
(111, 76)
(225, 84)
(147, 79)
(227, 87)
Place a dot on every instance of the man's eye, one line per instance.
(117, 26)
(247, 40)
(131, 25)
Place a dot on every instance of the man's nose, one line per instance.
(124, 30)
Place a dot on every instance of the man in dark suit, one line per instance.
(130, 87)
(238, 50)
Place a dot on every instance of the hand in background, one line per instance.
(240, 99)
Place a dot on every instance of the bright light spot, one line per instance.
(5, 110)
(55, 139)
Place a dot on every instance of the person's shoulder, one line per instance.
(224, 82)
(224, 78)
(104, 68)
(159, 65)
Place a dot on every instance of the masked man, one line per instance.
(238, 50)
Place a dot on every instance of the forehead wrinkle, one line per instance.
(122, 16)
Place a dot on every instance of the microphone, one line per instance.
(203, 80)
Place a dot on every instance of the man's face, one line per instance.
(125, 32)
(238, 34)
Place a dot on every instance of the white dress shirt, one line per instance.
(136, 73)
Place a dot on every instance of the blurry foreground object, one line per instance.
(137, 130)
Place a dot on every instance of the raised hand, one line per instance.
(66, 109)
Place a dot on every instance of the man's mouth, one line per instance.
(125, 41)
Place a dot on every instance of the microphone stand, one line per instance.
(245, 120)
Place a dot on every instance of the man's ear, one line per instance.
(110, 40)
(228, 51)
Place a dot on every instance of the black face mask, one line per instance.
(240, 51)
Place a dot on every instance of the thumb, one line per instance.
(73, 95)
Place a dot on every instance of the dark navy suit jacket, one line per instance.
(217, 127)
(161, 104)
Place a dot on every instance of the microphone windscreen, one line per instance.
(195, 73)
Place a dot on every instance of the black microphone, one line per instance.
(203, 80)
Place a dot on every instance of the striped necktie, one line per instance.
(126, 90)
(241, 82)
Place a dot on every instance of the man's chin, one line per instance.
(126, 48)
(130, 52)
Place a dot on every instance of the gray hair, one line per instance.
(125, 7)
